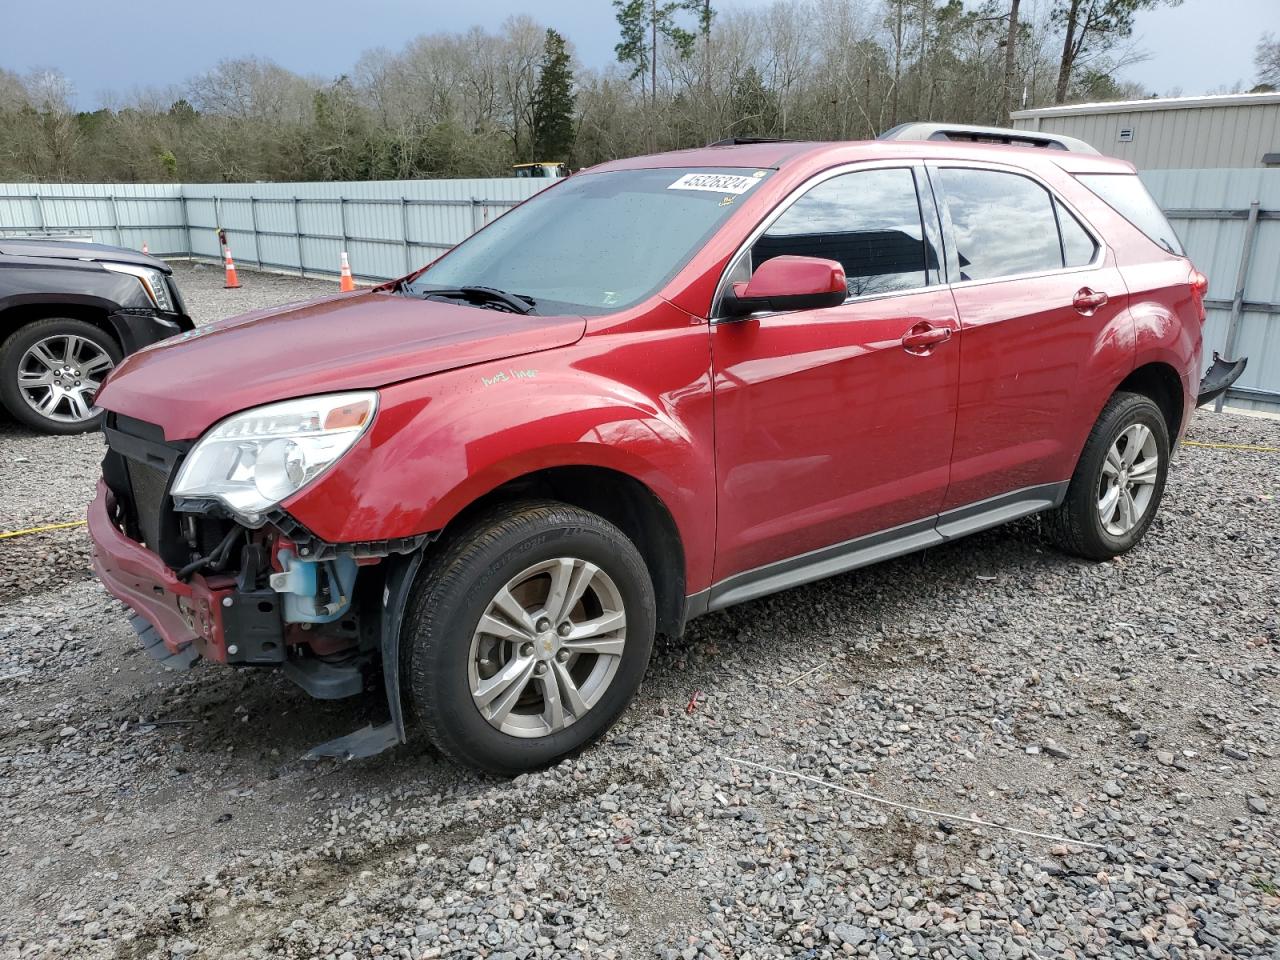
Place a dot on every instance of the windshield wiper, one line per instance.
(518, 303)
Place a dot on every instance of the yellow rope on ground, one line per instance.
(44, 529)
(1232, 446)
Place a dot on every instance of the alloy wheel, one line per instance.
(1128, 481)
(59, 376)
(547, 647)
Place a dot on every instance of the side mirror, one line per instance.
(789, 283)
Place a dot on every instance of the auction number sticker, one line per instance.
(715, 183)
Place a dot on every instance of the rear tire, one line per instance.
(1118, 483)
(46, 388)
(544, 676)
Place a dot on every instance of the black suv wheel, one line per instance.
(50, 371)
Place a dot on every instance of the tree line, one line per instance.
(687, 73)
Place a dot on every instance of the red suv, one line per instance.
(660, 387)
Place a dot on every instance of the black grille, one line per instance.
(148, 488)
(139, 467)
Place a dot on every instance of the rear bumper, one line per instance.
(1219, 378)
(185, 615)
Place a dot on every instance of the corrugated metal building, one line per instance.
(1171, 133)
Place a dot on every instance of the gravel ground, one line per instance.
(1125, 711)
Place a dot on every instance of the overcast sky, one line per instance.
(1198, 47)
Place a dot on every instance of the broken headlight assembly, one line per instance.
(252, 460)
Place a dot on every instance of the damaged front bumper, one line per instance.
(1219, 378)
(186, 616)
(180, 621)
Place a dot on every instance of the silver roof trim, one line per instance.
(968, 133)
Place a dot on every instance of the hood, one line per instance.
(72, 250)
(349, 342)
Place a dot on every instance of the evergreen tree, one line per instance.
(755, 109)
(553, 102)
(641, 22)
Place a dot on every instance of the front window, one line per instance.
(869, 221)
(597, 242)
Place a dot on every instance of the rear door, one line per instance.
(1040, 299)
(830, 424)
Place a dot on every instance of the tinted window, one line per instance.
(1125, 194)
(1004, 224)
(1078, 247)
(869, 221)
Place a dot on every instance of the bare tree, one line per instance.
(1266, 59)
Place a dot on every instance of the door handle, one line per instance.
(1086, 301)
(923, 337)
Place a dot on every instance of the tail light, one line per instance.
(1199, 287)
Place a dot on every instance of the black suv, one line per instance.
(69, 312)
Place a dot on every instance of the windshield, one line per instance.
(597, 242)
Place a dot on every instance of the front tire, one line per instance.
(526, 637)
(50, 371)
(1118, 483)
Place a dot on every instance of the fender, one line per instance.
(1167, 326)
(72, 282)
(439, 443)
(98, 291)
(70, 299)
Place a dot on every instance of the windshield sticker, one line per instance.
(715, 183)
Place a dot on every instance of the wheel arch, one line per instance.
(626, 502)
(16, 314)
(1160, 383)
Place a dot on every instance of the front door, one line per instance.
(836, 423)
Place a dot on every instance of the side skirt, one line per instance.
(874, 547)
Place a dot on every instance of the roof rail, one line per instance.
(971, 134)
(740, 141)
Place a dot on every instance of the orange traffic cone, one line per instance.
(145, 251)
(232, 281)
(346, 284)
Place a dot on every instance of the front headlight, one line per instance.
(253, 460)
(153, 284)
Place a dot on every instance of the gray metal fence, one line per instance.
(1228, 219)
(387, 227)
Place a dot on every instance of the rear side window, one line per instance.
(1126, 195)
(869, 221)
(1078, 248)
(1004, 223)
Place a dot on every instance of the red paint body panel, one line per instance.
(1161, 301)
(827, 428)
(634, 396)
(763, 439)
(1035, 374)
